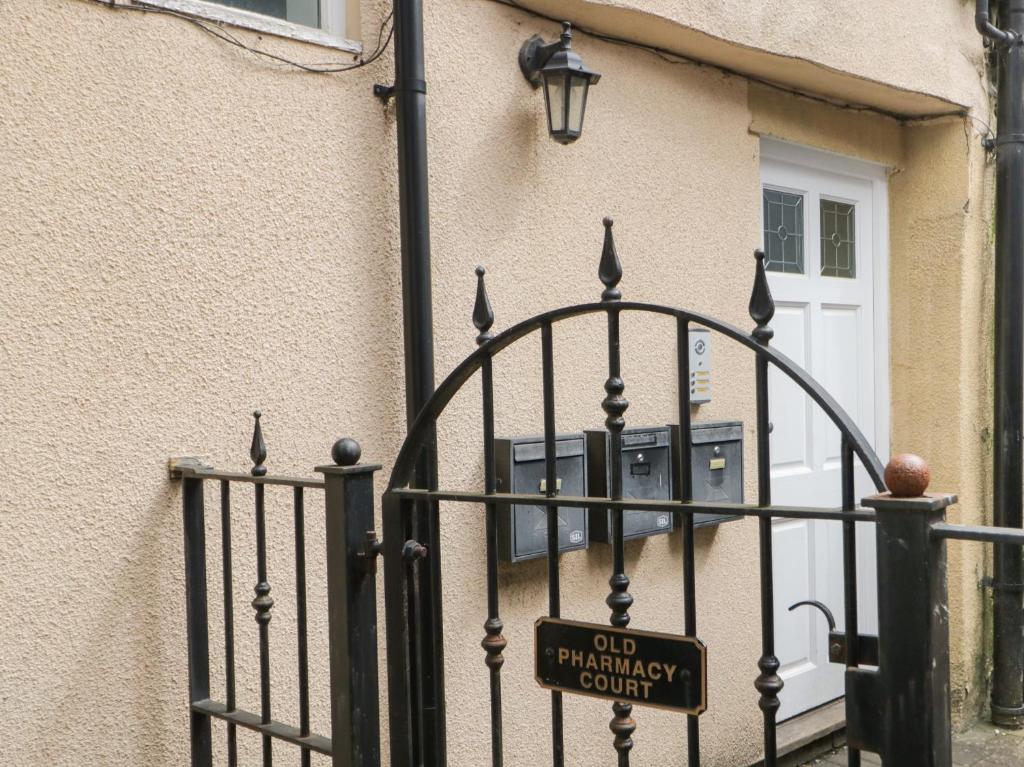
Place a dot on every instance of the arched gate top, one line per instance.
(762, 308)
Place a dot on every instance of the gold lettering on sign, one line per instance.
(613, 666)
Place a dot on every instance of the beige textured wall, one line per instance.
(190, 232)
(947, 417)
(910, 57)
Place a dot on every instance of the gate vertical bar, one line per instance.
(300, 617)
(194, 523)
(352, 550)
(913, 632)
(614, 405)
(404, 726)
(263, 602)
(768, 683)
(551, 490)
(685, 494)
(229, 619)
(493, 643)
(850, 575)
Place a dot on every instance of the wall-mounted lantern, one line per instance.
(565, 79)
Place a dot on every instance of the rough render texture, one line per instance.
(899, 56)
(191, 232)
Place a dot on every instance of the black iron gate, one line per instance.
(897, 684)
(898, 708)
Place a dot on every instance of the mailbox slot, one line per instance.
(520, 468)
(646, 475)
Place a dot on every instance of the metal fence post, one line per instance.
(194, 519)
(908, 697)
(352, 550)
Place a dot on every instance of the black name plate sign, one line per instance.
(643, 667)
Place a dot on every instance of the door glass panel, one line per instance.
(838, 246)
(555, 85)
(577, 103)
(783, 232)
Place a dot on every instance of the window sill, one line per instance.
(256, 22)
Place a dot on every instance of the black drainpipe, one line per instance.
(410, 93)
(1008, 474)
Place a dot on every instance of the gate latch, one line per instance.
(366, 560)
(838, 652)
(373, 547)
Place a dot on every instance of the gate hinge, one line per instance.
(413, 550)
(366, 560)
(988, 582)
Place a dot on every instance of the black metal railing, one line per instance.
(897, 683)
(351, 550)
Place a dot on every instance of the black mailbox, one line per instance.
(717, 467)
(646, 475)
(520, 468)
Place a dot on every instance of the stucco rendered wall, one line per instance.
(903, 57)
(190, 232)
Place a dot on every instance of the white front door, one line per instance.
(824, 239)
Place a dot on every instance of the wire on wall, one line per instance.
(218, 31)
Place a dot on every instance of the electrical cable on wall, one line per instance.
(672, 57)
(218, 31)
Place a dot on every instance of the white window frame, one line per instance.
(340, 16)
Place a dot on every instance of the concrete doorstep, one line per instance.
(982, 746)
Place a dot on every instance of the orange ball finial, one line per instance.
(907, 476)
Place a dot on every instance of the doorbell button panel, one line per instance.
(700, 366)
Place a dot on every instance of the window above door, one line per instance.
(323, 22)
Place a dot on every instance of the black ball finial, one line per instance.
(346, 452)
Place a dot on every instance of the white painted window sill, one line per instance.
(259, 23)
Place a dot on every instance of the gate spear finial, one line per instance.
(610, 270)
(762, 305)
(258, 451)
(483, 314)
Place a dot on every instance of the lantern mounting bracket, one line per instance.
(535, 53)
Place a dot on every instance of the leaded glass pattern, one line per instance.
(783, 231)
(838, 240)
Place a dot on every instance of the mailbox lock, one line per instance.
(544, 485)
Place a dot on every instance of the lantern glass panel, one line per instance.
(577, 103)
(554, 87)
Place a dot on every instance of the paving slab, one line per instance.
(981, 746)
